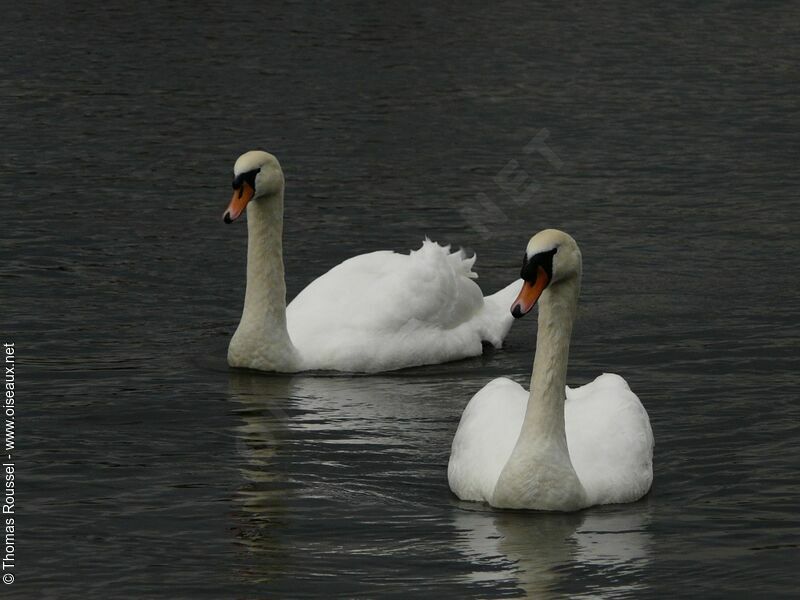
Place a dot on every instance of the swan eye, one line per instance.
(242, 178)
(540, 259)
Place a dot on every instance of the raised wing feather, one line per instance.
(385, 310)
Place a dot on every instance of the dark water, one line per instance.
(147, 469)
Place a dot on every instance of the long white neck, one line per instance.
(544, 416)
(262, 340)
(539, 473)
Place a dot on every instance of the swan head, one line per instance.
(256, 175)
(551, 257)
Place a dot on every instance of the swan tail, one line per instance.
(497, 313)
(463, 264)
(459, 261)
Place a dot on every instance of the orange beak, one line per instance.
(530, 294)
(241, 197)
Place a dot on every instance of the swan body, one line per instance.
(611, 469)
(553, 448)
(374, 312)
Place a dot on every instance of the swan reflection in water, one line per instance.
(542, 553)
(262, 499)
(313, 447)
(320, 456)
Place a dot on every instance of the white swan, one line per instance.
(374, 312)
(536, 451)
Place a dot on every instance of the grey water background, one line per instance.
(146, 468)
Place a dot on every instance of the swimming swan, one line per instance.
(375, 312)
(536, 451)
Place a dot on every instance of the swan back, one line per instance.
(383, 311)
(486, 435)
(610, 440)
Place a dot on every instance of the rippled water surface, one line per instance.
(147, 468)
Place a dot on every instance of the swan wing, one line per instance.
(610, 440)
(485, 438)
(385, 310)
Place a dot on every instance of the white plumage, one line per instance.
(608, 435)
(383, 311)
(554, 448)
(375, 312)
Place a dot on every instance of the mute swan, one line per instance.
(536, 451)
(374, 312)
